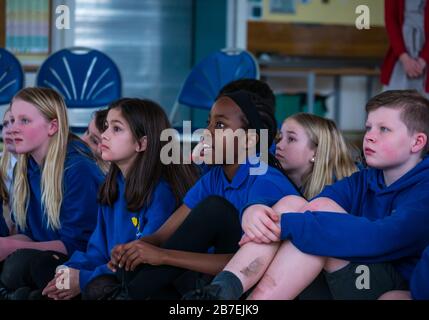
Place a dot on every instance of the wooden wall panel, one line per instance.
(310, 40)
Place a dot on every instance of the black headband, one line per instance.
(243, 99)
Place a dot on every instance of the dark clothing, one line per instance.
(213, 223)
(30, 268)
(349, 283)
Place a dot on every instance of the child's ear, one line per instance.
(420, 140)
(53, 127)
(141, 144)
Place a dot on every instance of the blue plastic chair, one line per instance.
(11, 76)
(205, 80)
(87, 79)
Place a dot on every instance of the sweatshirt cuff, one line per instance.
(84, 278)
(291, 225)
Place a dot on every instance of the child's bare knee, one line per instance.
(333, 264)
(396, 295)
(324, 204)
(290, 204)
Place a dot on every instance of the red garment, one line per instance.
(394, 19)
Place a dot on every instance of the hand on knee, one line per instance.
(324, 204)
(261, 224)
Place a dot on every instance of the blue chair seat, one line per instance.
(11, 78)
(211, 74)
(87, 79)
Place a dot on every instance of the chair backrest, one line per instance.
(205, 80)
(87, 79)
(11, 76)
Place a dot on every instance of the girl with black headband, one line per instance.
(203, 234)
(314, 154)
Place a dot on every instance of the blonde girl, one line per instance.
(55, 191)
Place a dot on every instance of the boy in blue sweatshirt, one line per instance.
(366, 232)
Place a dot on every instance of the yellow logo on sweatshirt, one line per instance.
(135, 222)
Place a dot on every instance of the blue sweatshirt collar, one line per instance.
(32, 167)
(240, 176)
(416, 174)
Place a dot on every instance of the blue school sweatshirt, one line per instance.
(244, 189)
(419, 283)
(116, 225)
(78, 215)
(384, 224)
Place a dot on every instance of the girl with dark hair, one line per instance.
(209, 219)
(136, 198)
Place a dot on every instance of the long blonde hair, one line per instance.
(333, 160)
(4, 166)
(51, 105)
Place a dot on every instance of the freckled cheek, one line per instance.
(289, 155)
(292, 152)
(389, 151)
(288, 149)
(117, 145)
(34, 135)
